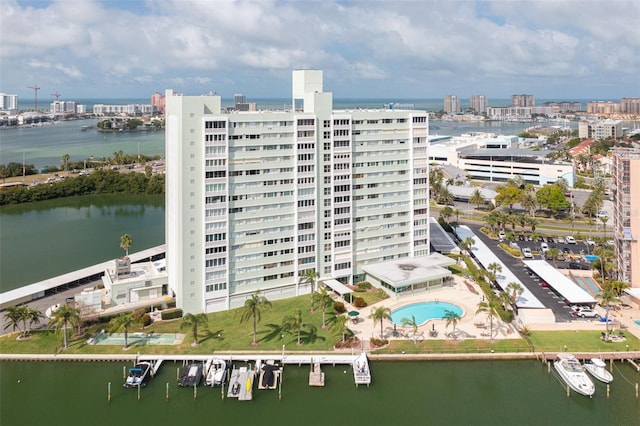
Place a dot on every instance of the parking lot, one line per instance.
(545, 294)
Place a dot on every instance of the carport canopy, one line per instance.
(337, 286)
(560, 283)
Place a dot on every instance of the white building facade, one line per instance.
(255, 199)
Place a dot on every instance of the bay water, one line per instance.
(401, 393)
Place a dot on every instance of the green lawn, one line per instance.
(226, 333)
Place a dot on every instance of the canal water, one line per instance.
(402, 393)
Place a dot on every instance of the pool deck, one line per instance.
(470, 325)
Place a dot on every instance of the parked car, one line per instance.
(514, 245)
(587, 313)
(550, 240)
(502, 235)
(590, 242)
(560, 240)
(602, 213)
(570, 240)
(610, 242)
(526, 252)
(544, 247)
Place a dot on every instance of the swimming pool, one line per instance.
(423, 311)
(637, 322)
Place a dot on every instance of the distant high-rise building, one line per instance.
(451, 104)
(523, 101)
(630, 105)
(603, 107)
(8, 102)
(239, 98)
(158, 102)
(626, 214)
(62, 107)
(478, 103)
(600, 129)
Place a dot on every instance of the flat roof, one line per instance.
(467, 192)
(411, 270)
(440, 239)
(571, 291)
(337, 286)
(485, 256)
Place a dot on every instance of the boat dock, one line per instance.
(155, 363)
(316, 377)
(361, 372)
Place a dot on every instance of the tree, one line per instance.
(445, 197)
(553, 253)
(618, 287)
(125, 242)
(340, 326)
(607, 297)
(446, 213)
(508, 195)
(452, 318)
(13, 317)
(467, 244)
(62, 317)
(604, 220)
(533, 223)
(491, 309)
(529, 202)
(380, 314)
(252, 309)
(552, 198)
(513, 290)
(31, 317)
(309, 278)
(476, 198)
(411, 322)
(457, 212)
(193, 321)
(123, 322)
(493, 269)
(65, 162)
(321, 300)
(294, 323)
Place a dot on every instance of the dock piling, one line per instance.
(138, 392)
(109, 392)
(166, 396)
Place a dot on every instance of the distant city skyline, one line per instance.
(391, 49)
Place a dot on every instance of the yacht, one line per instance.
(572, 373)
(138, 375)
(598, 369)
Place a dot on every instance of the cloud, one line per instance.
(421, 49)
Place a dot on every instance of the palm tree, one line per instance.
(380, 314)
(604, 220)
(513, 290)
(411, 322)
(125, 242)
(321, 300)
(32, 317)
(491, 309)
(446, 213)
(451, 318)
(467, 244)
(476, 198)
(493, 269)
(294, 323)
(122, 322)
(528, 201)
(192, 321)
(607, 297)
(553, 253)
(310, 278)
(65, 162)
(340, 326)
(457, 212)
(618, 286)
(13, 317)
(446, 197)
(252, 309)
(63, 316)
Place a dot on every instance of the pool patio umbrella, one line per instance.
(353, 314)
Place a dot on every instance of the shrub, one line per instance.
(339, 308)
(359, 289)
(378, 342)
(381, 294)
(359, 302)
(146, 320)
(364, 285)
(172, 314)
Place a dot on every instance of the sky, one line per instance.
(551, 49)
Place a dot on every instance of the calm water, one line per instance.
(49, 238)
(438, 393)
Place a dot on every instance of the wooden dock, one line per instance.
(316, 377)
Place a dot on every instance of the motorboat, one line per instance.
(139, 375)
(269, 375)
(191, 375)
(573, 374)
(598, 369)
(361, 373)
(216, 373)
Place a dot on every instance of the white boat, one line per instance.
(191, 375)
(269, 375)
(598, 369)
(361, 373)
(573, 374)
(138, 375)
(216, 373)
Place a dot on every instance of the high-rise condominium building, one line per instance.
(451, 104)
(257, 199)
(8, 102)
(478, 103)
(626, 214)
(523, 101)
(158, 102)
